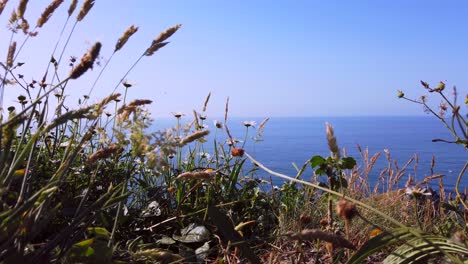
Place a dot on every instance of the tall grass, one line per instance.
(89, 183)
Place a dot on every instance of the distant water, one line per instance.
(295, 140)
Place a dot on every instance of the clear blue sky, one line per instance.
(272, 58)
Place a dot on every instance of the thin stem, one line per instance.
(457, 185)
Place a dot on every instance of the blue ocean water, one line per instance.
(288, 140)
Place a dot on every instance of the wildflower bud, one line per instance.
(305, 219)
(425, 84)
(375, 232)
(440, 87)
(237, 152)
(346, 210)
(400, 94)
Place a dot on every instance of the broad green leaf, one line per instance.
(316, 161)
(348, 163)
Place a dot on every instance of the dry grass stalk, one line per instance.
(332, 145)
(155, 47)
(140, 102)
(2, 5)
(108, 99)
(48, 12)
(70, 115)
(195, 119)
(86, 62)
(124, 38)
(159, 41)
(87, 5)
(313, 234)
(166, 34)
(263, 123)
(104, 153)
(206, 102)
(195, 136)
(21, 8)
(201, 175)
(72, 7)
(11, 54)
(226, 110)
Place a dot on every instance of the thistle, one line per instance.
(48, 12)
(86, 62)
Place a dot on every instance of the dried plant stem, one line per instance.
(368, 207)
(457, 185)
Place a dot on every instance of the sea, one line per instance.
(293, 140)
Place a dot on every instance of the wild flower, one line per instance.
(204, 155)
(202, 116)
(178, 114)
(417, 191)
(237, 152)
(218, 124)
(249, 123)
(232, 142)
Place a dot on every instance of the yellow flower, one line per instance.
(375, 232)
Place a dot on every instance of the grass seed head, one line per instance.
(124, 38)
(332, 145)
(22, 8)
(104, 153)
(195, 136)
(11, 54)
(48, 12)
(2, 5)
(72, 7)
(87, 5)
(86, 62)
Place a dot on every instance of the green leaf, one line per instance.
(347, 163)
(98, 232)
(316, 161)
(319, 172)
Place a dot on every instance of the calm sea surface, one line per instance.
(295, 140)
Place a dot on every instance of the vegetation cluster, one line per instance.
(84, 182)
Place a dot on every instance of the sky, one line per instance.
(271, 58)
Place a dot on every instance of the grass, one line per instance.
(89, 183)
